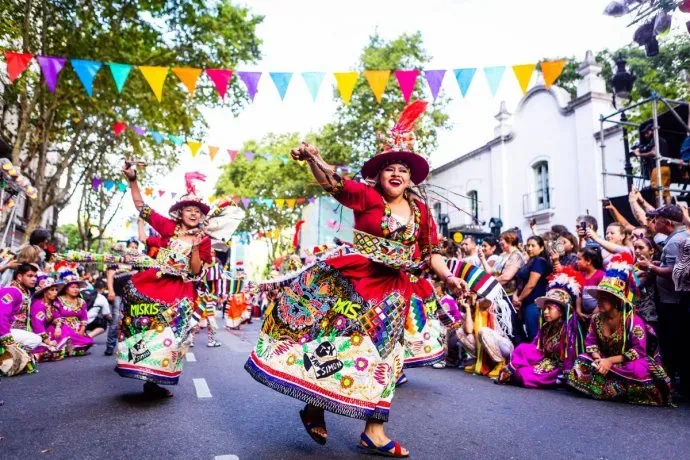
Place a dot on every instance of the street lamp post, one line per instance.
(622, 83)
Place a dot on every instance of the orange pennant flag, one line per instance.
(155, 76)
(212, 150)
(523, 73)
(346, 84)
(552, 70)
(378, 80)
(291, 203)
(280, 202)
(189, 76)
(148, 191)
(194, 146)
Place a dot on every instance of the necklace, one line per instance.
(24, 291)
(408, 236)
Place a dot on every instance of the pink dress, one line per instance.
(72, 316)
(42, 319)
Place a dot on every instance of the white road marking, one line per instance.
(190, 357)
(226, 457)
(202, 390)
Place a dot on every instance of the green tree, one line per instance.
(352, 137)
(60, 140)
(271, 176)
(73, 236)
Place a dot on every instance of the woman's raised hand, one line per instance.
(129, 172)
(304, 152)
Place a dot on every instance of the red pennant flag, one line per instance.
(119, 127)
(220, 78)
(233, 154)
(17, 63)
(301, 200)
(237, 200)
(407, 79)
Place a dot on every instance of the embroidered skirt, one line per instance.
(340, 333)
(154, 328)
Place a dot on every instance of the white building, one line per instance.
(544, 162)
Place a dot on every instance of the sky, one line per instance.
(316, 35)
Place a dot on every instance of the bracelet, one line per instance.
(445, 280)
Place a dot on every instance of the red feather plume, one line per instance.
(409, 116)
(623, 257)
(573, 274)
(190, 177)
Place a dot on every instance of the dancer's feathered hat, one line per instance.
(191, 198)
(398, 147)
(617, 279)
(563, 289)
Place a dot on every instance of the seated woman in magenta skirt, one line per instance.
(621, 360)
(540, 363)
(69, 316)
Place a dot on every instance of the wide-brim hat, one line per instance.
(616, 280)
(558, 296)
(596, 291)
(188, 200)
(13, 361)
(419, 167)
(47, 283)
(68, 277)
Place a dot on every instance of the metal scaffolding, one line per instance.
(654, 99)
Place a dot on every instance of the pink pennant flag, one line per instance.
(434, 78)
(119, 127)
(161, 192)
(51, 67)
(407, 80)
(233, 155)
(251, 80)
(220, 78)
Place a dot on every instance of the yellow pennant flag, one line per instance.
(194, 146)
(523, 73)
(346, 84)
(280, 202)
(189, 76)
(155, 76)
(552, 70)
(212, 150)
(212, 198)
(276, 234)
(378, 80)
(291, 203)
(128, 224)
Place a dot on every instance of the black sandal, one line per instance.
(319, 439)
(152, 390)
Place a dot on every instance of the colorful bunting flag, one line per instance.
(282, 81)
(119, 128)
(268, 202)
(194, 146)
(157, 137)
(16, 64)
(161, 193)
(177, 140)
(378, 80)
(245, 203)
(280, 202)
(434, 79)
(233, 155)
(551, 71)
(220, 78)
(291, 202)
(121, 186)
(494, 75)
(346, 84)
(155, 77)
(464, 78)
(251, 80)
(189, 76)
(406, 80)
(138, 130)
(51, 67)
(313, 81)
(120, 72)
(173, 195)
(212, 151)
(96, 182)
(109, 184)
(523, 74)
(86, 71)
(249, 156)
(301, 200)
(148, 191)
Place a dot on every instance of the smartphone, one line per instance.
(605, 202)
(583, 226)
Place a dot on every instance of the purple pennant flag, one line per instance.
(249, 156)
(96, 182)
(251, 80)
(138, 130)
(312, 200)
(173, 195)
(434, 78)
(51, 67)
(245, 202)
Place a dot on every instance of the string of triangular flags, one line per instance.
(378, 80)
(195, 146)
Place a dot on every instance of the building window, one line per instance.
(542, 191)
(474, 205)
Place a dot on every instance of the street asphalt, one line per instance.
(80, 409)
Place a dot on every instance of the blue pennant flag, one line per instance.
(177, 140)
(157, 137)
(120, 73)
(86, 71)
(282, 81)
(313, 81)
(494, 75)
(464, 78)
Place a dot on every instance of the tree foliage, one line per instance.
(60, 140)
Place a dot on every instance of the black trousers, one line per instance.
(674, 323)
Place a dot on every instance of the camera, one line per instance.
(556, 246)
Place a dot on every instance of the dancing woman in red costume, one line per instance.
(335, 336)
